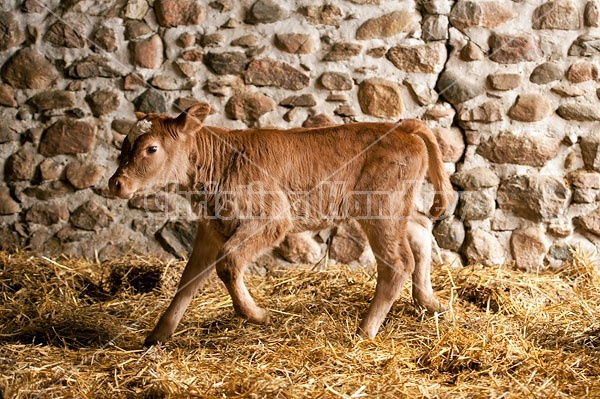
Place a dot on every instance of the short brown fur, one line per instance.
(308, 179)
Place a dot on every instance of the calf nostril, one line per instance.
(117, 185)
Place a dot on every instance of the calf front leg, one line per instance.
(247, 243)
(197, 271)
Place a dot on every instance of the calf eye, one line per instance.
(152, 150)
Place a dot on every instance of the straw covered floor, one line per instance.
(70, 328)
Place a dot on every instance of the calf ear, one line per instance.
(194, 116)
(140, 115)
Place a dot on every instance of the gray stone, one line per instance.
(449, 233)
(562, 14)
(546, 73)
(212, 40)
(435, 27)
(12, 33)
(568, 90)
(579, 111)
(68, 136)
(249, 106)
(54, 99)
(483, 247)
(275, 73)
(585, 46)
(504, 81)
(342, 51)
(536, 197)
(170, 13)
(228, 63)
(28, 69)
(245, 41)
(135, 9)
(177, 237)
(381, 98)
(150, 101)
(47, 213)
(103, 102)
(427, 58)
(266, 12)
(91, 216)
(523, 149)
(442, 7)
(8, 205)
(476, 205)
(457, 88)
(388, 25)
(529, 247)
(475, 178)
(590, 151)
(512, 49)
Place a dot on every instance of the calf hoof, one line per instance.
(431, 305)
(154, 339)
(261, 316)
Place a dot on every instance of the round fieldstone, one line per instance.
(147, 53)
(92, 67)
(591, 15)
(381, 98)
(266, 12)
(103, 102)
(530, 108)
(91, 216)
(150, 101)
(449, 233)
(326, 14)
(579, 111)
(47, 213)
(7, 96)
(300, 248)
(318, 120)
(388, 25)
(451, 143)
(488, 112)
(135, 9)
(302, 100)
(546, 73)
(136, 29)
(471, 52)
(483, 247)
(8, 206)
(475, 178)
(54, 99)
(342, 51)
(105, 38)
(62, 34)
(457, 88)
(485, 14)
(21, 165)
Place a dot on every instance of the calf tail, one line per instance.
(444, 193)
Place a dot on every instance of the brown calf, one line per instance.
(255, 186)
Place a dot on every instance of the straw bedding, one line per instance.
(70, 328)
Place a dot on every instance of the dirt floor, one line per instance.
(75, 329)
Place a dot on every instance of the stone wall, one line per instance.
(510, 88)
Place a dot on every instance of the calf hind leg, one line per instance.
(419, 236)
(249, 241)
(395, 264)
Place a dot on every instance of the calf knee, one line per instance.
(226, 270)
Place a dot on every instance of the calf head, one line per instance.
(156, 151)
